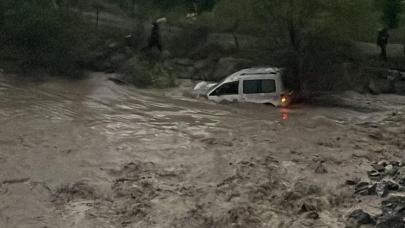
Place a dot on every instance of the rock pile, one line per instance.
(392, 216)
(385, 177)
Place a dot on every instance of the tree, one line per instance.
(2, 13)
(206, 5)
(391, 13)
(312, 36)
(45, 37)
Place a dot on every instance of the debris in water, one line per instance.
(320, 168)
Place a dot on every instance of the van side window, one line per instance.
(230, 88)
(259, 86)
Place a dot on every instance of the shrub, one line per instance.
(143, 73)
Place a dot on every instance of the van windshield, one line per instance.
(230, 88)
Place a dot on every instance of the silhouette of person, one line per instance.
(382, 41)
(154, 39)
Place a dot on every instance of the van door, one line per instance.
(226, 92)
(259, 91)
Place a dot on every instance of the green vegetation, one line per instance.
(391, 10)
(146, 73)
(44, 37)
(310, 37)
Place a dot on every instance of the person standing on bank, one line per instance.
(382, 41)
(155, 39)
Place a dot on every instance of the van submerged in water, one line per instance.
(254, 85)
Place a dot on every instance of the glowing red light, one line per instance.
(284, 116)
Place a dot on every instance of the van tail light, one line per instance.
(285, 99)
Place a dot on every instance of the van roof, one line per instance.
(272, 72)
(259, 70)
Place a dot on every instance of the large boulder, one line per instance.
(185, 72)
(182, 68)
(228, 41)
(204, 69)
(227, 66)
(182, 62)
(400, 87)
(381, 80)
(378, 85)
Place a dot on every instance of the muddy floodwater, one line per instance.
(90, 153)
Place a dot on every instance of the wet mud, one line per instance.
(92, 153)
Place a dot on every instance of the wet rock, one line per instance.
(375, 175)
(229, 65)
(395, 163)
(377, 86)
(383, 163)
(312, 215)
(390, 170)
(392, 186)
(400, 87)
(117, 81)
(378, 167)
(183, 62)
(394, 206)
(402, 181)
(204, 69)
(359, 217)
(353, 181)
(395, 222)
(381, 189)
(320, 168)
(201, 64)
(393, 209)
(364, 188)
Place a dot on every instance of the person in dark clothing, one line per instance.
(154, 39)
(382, 41)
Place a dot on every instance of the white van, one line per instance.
(255, 85)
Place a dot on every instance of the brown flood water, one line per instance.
(90, 153)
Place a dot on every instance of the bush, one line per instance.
(143, 73)
(315, 37)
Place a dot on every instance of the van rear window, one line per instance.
(259, 86)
